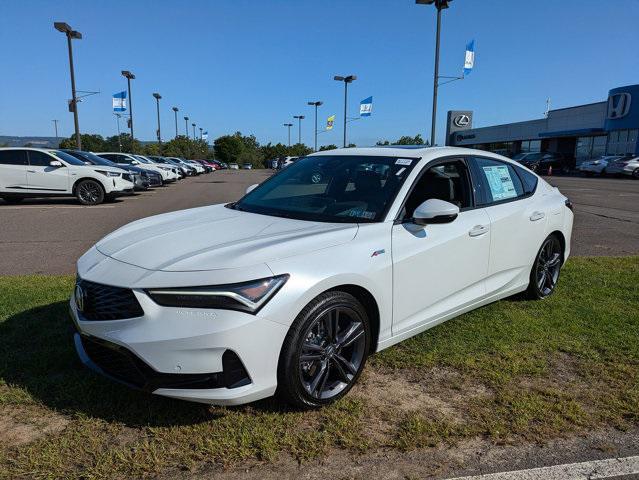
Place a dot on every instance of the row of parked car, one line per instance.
(91, 178)
(612, 165)
(542, 162)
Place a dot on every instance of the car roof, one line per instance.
(412, 152)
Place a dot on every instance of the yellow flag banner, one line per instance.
(329, 122)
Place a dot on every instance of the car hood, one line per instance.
(216, 237)
(106, 168)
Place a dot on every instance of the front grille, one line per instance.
(103, 302)
(124, 366)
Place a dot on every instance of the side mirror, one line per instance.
(55, 163)
(251, 188)
(135, 162)
(435, 211)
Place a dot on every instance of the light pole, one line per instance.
(157, 97)
(193, 130)
(175, 110)
(346, 80)
(440, 5)
(117, 121)
(55, 124)
(316, 104)
(289, 125)
(73, 106)
(299, 127)
(201, 133)
(186, 127)
(129, 76)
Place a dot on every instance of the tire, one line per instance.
(334, 362)
(635, 174)
(12, 200)
(546, 269)
(89, 192)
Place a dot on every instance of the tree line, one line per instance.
(236, 148)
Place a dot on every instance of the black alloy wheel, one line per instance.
(546, 269)
(325, 351)
(89, 192)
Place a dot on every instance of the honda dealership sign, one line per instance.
(458, 121)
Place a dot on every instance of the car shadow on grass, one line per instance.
(37, 356)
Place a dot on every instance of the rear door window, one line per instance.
(496, 181)
(13, 157)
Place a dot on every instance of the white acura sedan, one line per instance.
(288, 290)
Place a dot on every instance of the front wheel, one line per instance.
(635, 173)
(324, 351)
(546, 269)
(89, 192)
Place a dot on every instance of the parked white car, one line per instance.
(171, 172)
(598, 165)
(130, 159)
(292, 287)
(198, 166)
(626, 165)
(38, 172)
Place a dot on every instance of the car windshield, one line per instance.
(92, 158)
(331, 188)
(70, 159)
(143, 159)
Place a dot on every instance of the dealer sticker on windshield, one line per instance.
(403, 161)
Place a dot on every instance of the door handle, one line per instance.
(478, 230)
(31, 171)
(537, 216)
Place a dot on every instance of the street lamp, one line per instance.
(193, 130)
(201, 138)
(129, 76)
(73, 106)
(289, 125)
(440, 5)
(186, 126)
(55, 123)
(346, 81)
(157, 103)
(299, 128)
(175, 110)
(315, 104)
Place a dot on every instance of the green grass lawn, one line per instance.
(513, 371)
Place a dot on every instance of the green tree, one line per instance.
(228, 148)
(328, 147)
(128, 145)
(150, 149)
(90, 142)
(404, 140)
(299, 150)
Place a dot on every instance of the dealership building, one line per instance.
(581, 132)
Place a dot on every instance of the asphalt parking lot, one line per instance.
(47, 236)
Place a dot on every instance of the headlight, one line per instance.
(108, 174)
(245, 297)
(165, 168)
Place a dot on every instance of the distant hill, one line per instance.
(40, 142)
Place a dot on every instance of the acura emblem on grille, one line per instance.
(79, 298)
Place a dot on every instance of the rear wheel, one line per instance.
(89, 192)
(635, 173)
(546, 269)
(324, 352)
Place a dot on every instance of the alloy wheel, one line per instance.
(548, 266)
(332, 352)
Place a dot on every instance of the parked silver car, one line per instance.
(628, 165)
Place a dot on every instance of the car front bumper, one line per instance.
(185, 343)
(116, 185)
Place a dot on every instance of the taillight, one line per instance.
(569, 205)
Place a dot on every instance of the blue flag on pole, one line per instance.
(119, 102)
(469, 60)
(366, 107)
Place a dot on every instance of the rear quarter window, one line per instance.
(528, 179)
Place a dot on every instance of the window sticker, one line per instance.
(500, 182)
(403, 161)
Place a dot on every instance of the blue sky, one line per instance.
(251, 65)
